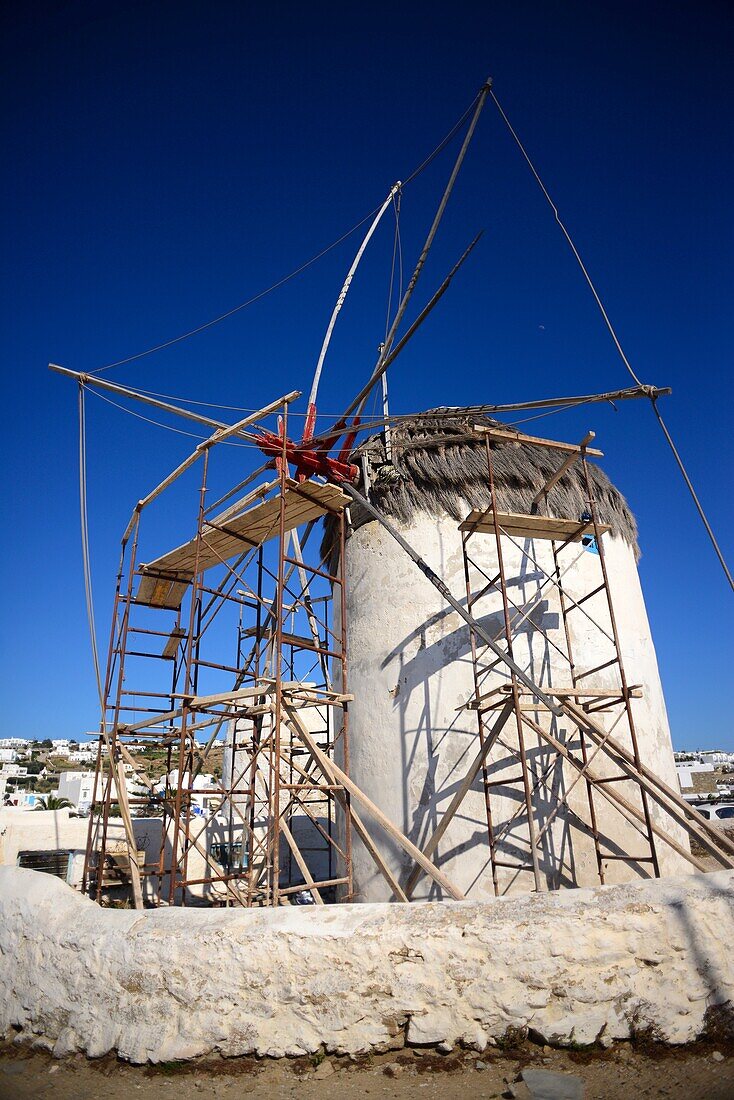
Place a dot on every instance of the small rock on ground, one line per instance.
(543, 1084)
(324, 1069)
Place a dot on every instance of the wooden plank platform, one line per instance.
(164, 592)
(164, 580)
(530, 527)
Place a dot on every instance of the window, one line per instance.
(725, 813)
(56, 863)
(704, 812)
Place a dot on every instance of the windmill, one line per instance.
(289, 818)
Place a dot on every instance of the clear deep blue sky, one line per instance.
(164, 161)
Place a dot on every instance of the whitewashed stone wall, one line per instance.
(576, 966)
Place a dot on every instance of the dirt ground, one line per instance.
(703, 1072)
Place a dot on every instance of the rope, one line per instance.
(567, 235)
(292, 275)
(692, 491)
(160, 423)
(242, 305)
(214, 405)
(372, 424)
(442, 144)
(85, 544)
(613, 334)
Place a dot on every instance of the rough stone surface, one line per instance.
(574, 966)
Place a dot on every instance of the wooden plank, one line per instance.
(531, 527)
(635, 691)
(519, 437)
(253, 527)
(384, 822)
(119, 777)
(300, 861)
(240, 505)
(565, 466)
(359, 827)
(230, 538)
(171, 646)
(164, 592)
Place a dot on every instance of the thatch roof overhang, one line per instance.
(438, 466)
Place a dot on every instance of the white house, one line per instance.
(13, 771)
(86, 754)
(20, 744)
(60, 748)
(78, 787)
(716, 756)
(8, 756)
(201, 802)
(685, 772)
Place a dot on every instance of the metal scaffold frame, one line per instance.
(286, 708)
(288, 719)
(526, 704)
(269, 775)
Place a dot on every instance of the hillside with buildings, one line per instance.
(34, 774)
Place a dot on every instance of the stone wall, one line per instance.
(577, 966)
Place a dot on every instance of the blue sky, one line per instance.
(165, 161)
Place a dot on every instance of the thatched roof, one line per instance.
(440, 467)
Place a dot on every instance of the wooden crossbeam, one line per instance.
(563, 469)
(384, 822)
(174, 641)
(502, 435)
(495, 699)
(530, 527)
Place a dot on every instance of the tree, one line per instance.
(53, 802)
(46, 744)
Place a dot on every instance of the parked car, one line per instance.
(720, 813)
